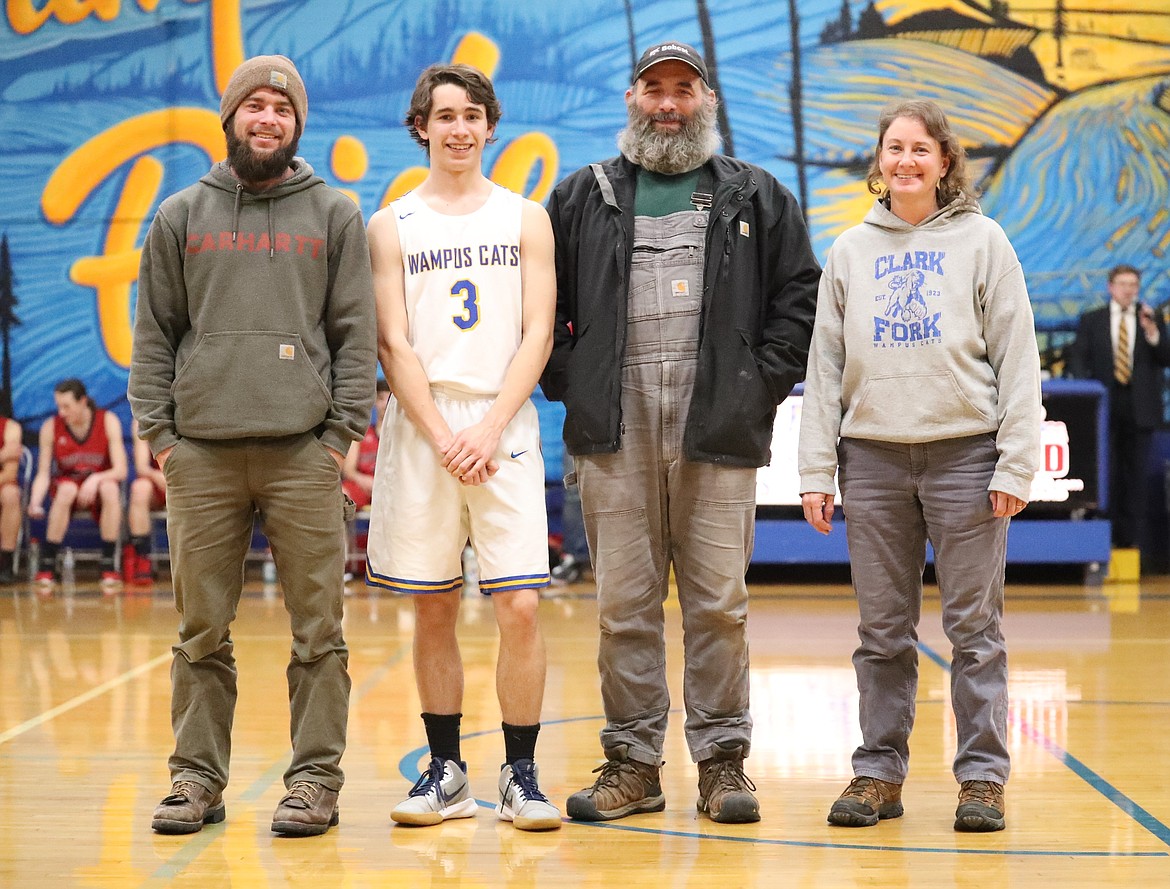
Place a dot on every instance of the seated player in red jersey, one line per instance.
(81, 465)
(357, 473)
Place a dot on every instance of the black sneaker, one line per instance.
(569, 570)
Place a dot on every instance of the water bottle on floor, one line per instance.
(68, 564)
(268, 569)
(470, 571)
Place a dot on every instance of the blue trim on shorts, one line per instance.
(515, 582)
(411, 587)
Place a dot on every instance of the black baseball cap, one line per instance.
(672, 49)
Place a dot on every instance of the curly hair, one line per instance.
(957, 181)
(479, 91)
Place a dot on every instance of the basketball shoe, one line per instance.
(521, 801)
(441, 792)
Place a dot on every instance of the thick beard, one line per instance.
(252, 167)
(669, 153)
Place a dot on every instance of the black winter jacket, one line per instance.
(759, 300)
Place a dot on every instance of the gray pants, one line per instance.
(896, 497)
(213, 489)
(646, 508)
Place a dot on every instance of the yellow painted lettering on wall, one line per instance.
(408, 179)
(25, 18)
(514, 165)
(88, 167)
(91, 163)
(349, 159)
(112, 273)
(227, 40)
(227, 34)
(478, 51)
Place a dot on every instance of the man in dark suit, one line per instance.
(1124, 345)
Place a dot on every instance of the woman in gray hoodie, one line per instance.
(923, 392)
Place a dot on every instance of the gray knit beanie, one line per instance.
(275, 72)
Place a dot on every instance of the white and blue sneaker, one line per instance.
(521, 801)
(441, 792)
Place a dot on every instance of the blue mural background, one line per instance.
(1066, 114)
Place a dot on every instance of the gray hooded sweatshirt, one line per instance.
(923, 332)
(255, 314)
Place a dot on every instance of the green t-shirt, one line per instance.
(660, 195)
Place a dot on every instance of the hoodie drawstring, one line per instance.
(271, 234)
(236, 214)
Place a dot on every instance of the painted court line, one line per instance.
(1078, 768)
(84, 698)
(408, 767)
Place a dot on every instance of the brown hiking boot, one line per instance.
(623, 787)
(308, 809)
(865, 801)
(980, 807)
(725, 792)
(187, 808)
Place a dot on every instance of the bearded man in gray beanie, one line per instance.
(252, 372)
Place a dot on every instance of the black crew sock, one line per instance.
(519, 741)
(443, 734)
(107, 558)
(47, 559)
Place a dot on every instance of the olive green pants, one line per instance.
(214, 489)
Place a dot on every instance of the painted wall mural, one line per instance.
(107, 106)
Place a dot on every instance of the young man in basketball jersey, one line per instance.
(81, 465)
(465, 286)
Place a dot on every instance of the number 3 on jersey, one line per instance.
(469, 317)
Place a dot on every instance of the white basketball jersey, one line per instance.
(463, 289)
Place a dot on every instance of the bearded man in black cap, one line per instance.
(686, 290)
(252, 372)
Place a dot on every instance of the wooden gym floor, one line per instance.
(85, 733)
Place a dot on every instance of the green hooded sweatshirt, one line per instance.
(255, 314)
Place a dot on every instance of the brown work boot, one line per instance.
(187, 808)
(623, 787)
(308, 809)
(725, 792)
(980, 807)
(866, 800)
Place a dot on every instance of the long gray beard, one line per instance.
(669, 153)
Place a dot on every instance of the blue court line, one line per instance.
(860, 847)
(409, 762)
(1078, 768)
